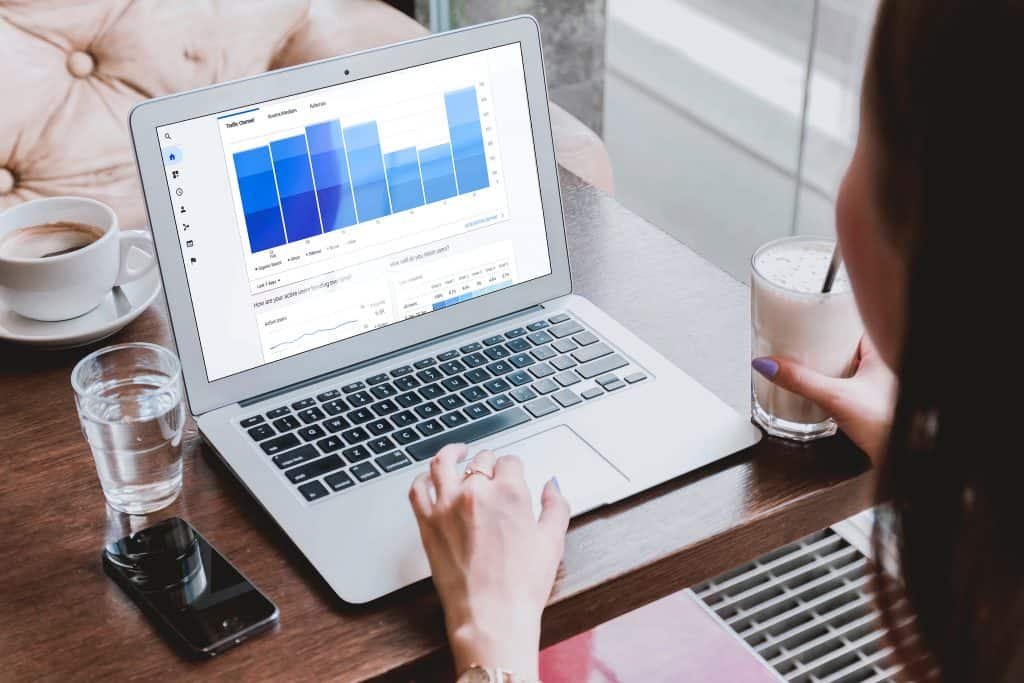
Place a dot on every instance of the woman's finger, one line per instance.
(508, 467)
(822, 389)
(419, 496)
(554, 511)
(443, 472)
(484, 462)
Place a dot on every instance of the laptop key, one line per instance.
(261, 432)
(311, 415)
(607, 379)
(334, 407)
(472, 431)
(381, 444)
(403, 419)
(304, 403)
(474, 360)
(540, 338)
(560, 318)
(543, 353)
(567, 378)
(518, 345)
(500, 402)
(279, 443)
(521, 360)
(635, 377)
(406, 383)
(454, 419)
(522, 394)
(496, 386)
(251, 421)
(563, 362)
(364, 471)
(589, 353)
(389, 462)
(384, 390)
(385, 407)
(278, 412)
(311, 432)
(429, 428)
(354, 386)
(519, 377)
(564, 345)
(356, 453)
(496, 352)
(336, 424)
(295, 457)
(287, 423)
(476, 411)
(491, 341)
(499, 367)
(399, 371)
(454, 383)
(473, 394)
(450, 402)
(452, 367)
(429, 375)
(339, 481)
(601, 366)
(378, 427)
(355, 435)
(328, 395)
(478, 376)
(423, 363)
(313, 490)
(447, 355)
(565, 329)
(470, 348)
(330, 444)
(592, 392)
(360, 398)
(545, 386)
(541, 407)
(404, 436)
(612, 386)
(567, 397)
(585, 338)
(377, 379)
(431, 391)
(539, 325)
(515, 332)
(408, 399)
(314, 469)
(542, 370)
(428, 410)
(360, 415)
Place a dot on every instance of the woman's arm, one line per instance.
(493, 561)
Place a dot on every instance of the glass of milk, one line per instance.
(791, 319)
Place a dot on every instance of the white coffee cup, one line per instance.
(67, 285)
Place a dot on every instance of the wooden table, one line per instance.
(63, 619)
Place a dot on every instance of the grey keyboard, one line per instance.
(353, 434)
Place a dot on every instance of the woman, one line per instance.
(922, 218)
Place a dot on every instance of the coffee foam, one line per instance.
(799, 266)
(50, 239)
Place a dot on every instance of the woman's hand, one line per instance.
(862, 405)
(493, 562)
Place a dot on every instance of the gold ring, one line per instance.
(472, 469)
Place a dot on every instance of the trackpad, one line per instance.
(586, 479)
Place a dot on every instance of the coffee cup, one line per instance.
(60, 257)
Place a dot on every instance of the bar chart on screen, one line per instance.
(422, 152)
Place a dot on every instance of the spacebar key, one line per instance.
(506, 419)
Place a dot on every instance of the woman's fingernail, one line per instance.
(554, 480)
(766, 366)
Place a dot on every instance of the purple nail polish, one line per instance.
(554, 480)
(766, 366)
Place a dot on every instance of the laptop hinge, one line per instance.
(377, 359)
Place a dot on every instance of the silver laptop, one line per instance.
(364, 259)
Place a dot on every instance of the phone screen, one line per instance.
(189, 588)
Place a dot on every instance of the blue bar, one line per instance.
(438, 172)
(404, 182)
(467, 139)
(364, 161)
(330, 175)
(295, 186)
(259, 199)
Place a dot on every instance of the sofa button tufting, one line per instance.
(81, 64)
(6, 181)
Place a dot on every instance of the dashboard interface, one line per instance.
(316, 217)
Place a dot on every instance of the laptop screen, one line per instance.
(317, 217)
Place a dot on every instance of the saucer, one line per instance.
(121, 306)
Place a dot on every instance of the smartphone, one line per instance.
(194, 596)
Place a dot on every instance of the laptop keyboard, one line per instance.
(349, 435)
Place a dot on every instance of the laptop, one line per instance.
(364, 259)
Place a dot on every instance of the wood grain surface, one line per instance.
(64, 620)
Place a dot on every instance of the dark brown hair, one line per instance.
(942, 99)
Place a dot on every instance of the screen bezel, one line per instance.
(205, 395)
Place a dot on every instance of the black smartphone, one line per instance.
(189, 590)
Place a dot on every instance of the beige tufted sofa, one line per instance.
(74, 69)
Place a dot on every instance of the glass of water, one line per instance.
(129, 400)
